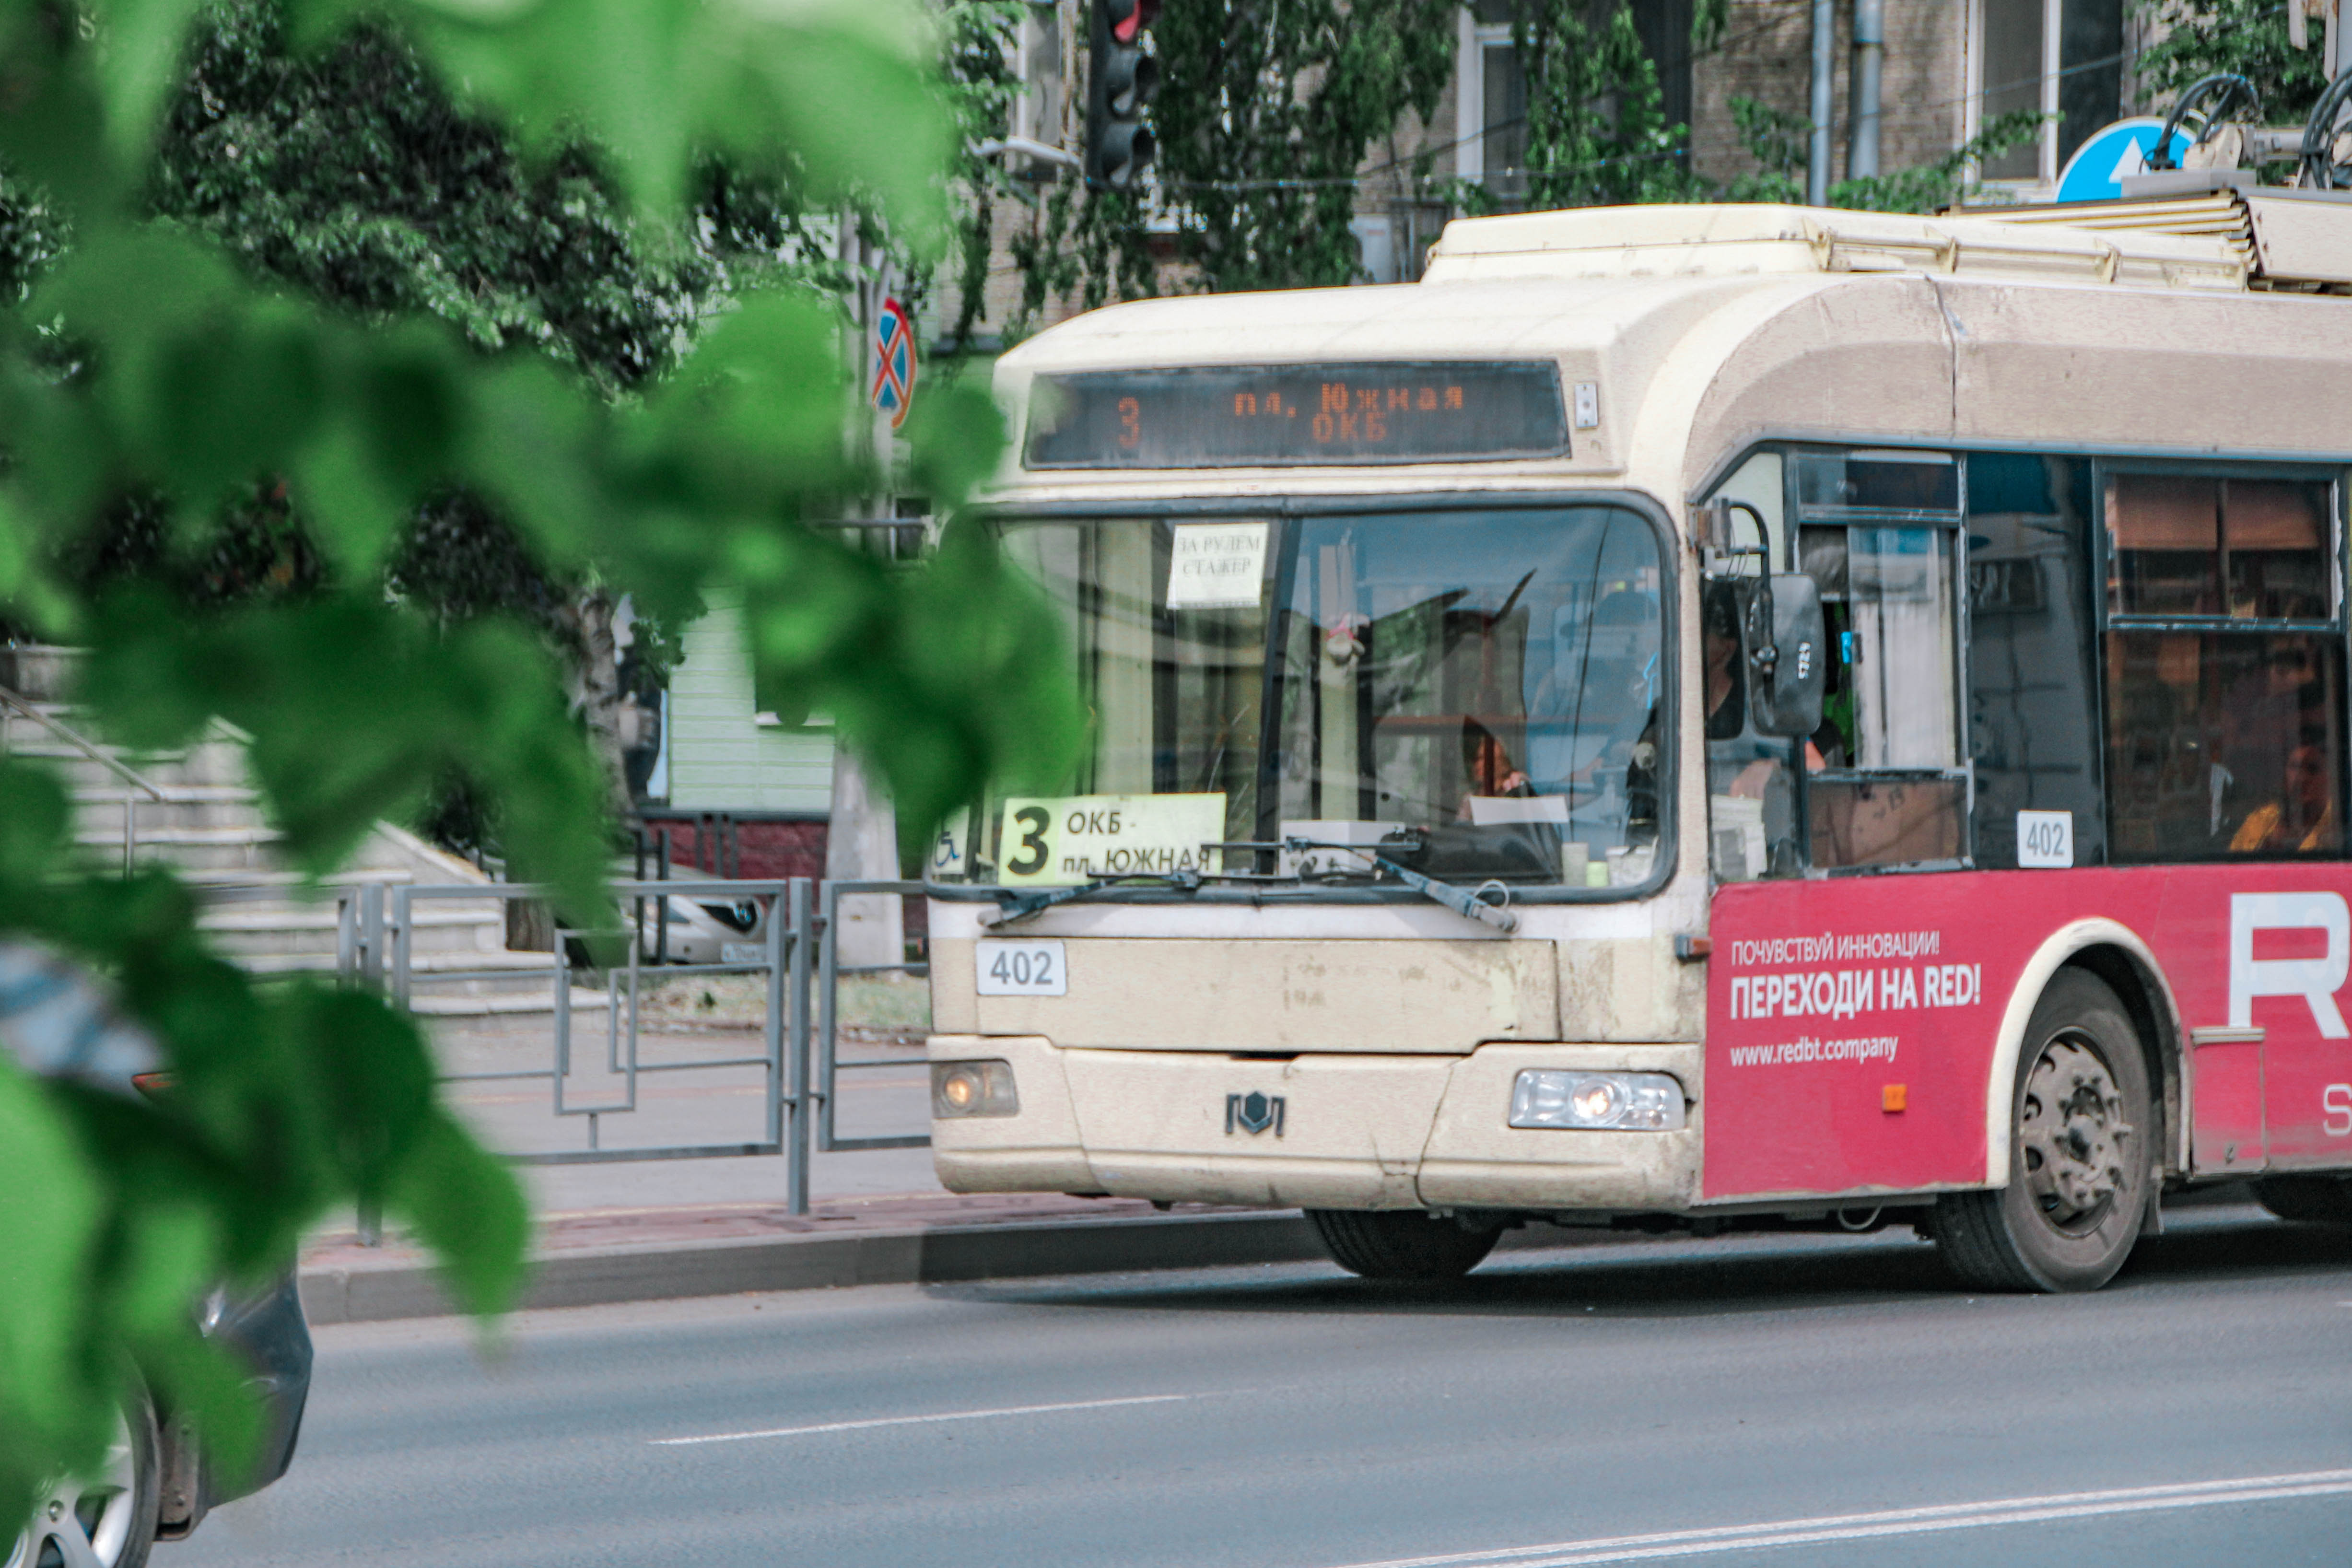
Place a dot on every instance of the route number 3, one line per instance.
(1030, 851)
(1006, 968)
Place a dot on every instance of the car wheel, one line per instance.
(2314, 1200)
(1400, 1243)
(2079, 1144)
(106, 1521)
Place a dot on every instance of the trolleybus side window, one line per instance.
(2224, 666)
(1878, 532)
(2033, 700)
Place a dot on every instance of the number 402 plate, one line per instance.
(1009, 968)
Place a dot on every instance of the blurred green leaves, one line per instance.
(148, 367)
(841, 87)
(352, 711)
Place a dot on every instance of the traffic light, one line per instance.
(1119, 80)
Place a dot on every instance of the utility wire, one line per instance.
(1806, 126)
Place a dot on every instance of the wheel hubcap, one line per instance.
(2071, 1132)
(84, 1524)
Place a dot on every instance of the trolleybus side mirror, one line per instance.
(1782, 638)
(1786, 645)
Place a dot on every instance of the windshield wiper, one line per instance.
(1465, 902)
(1013, 905)
(1016, 907)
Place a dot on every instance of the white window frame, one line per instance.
(1972, 102)
(1971, 118)
(1472, 43)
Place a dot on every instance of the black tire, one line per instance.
(1400, 1243)
(2312, 1200)
(147, 1458)
(2082, 1131)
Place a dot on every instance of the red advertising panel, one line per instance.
(1851, 1023)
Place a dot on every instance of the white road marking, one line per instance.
(1893, 1521)
(922, 1420)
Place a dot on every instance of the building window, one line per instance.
(2063, 59)
(1491, 98)
(1491, 107)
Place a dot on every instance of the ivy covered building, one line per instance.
(1505, 104)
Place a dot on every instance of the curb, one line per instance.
(400, 1287)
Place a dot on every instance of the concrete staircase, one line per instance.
(197, 811)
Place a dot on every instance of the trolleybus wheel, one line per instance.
(2314, 1200)
(2078, 1169)
(1400, 1244)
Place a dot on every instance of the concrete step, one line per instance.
(115, 793)
(352, 877)
(213, 829)
(191, 849)
(241, 834)
(208, 762)
(154, 821)
(262, 930)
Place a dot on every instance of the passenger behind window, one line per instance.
(2303, 819)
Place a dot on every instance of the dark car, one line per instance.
(156, 1484)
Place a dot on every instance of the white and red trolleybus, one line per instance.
(1728, 716)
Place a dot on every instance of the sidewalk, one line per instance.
(601, 1255)
(637, 1230)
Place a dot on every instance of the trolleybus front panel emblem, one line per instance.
(1254, 1112)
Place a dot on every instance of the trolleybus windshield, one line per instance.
(1474, 693)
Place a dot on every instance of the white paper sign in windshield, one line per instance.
(1217, 565)
(1503, 810)
(1060, 841)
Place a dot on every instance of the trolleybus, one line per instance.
(1713, 716)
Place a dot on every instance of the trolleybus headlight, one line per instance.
(973, 1089)
(1615, 1101)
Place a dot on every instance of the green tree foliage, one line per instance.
(1263, 115)
(1264, 110)
(1597, 134)
(1086, 245)
(161, 369)
(978, 38)
(1779, 139)
(349, 173)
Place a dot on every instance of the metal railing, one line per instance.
(830, 971)
(783, 1057)
(162, 795)
(798, 1059)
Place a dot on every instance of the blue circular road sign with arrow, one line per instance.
(2095, 173)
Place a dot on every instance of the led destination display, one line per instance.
(1237, 415)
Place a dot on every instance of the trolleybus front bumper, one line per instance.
(1324, 1130)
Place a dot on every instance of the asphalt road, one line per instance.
(1792, 1401)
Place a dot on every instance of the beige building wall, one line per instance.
(722, 755)
(1767, 55)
